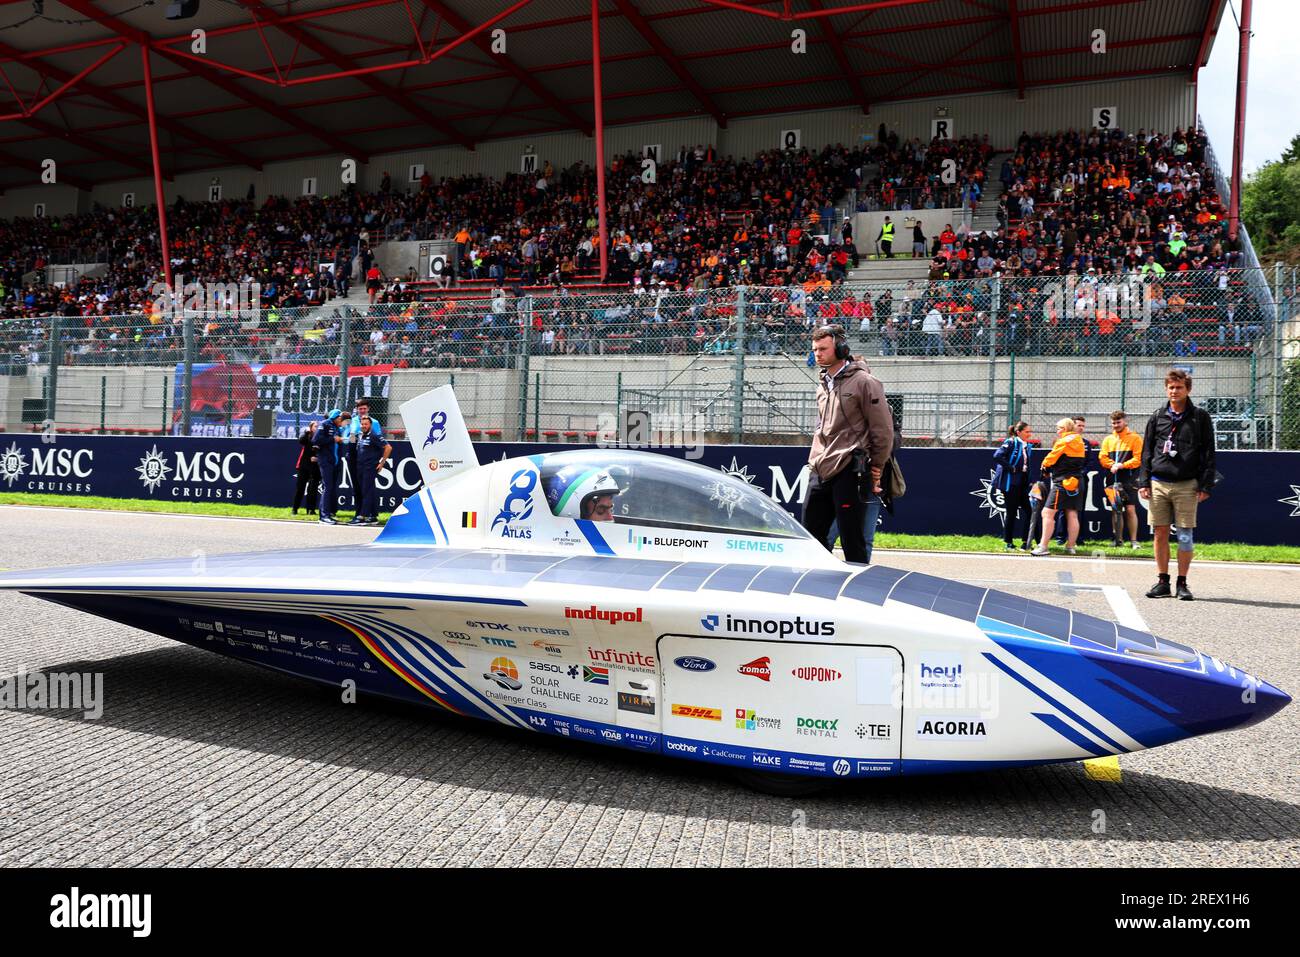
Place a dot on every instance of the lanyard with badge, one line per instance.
(1168, 447)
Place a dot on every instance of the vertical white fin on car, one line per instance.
(439, 439)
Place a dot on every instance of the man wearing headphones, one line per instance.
(854, 437)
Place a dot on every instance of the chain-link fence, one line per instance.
(960, 360)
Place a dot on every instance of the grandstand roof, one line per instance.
(286, 80)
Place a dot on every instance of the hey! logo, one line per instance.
(518, 506)
(437, 429)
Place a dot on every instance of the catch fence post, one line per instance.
(738, 399)
(187, 387)
(103, 401)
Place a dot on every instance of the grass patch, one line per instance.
(989, 544)
(1208, 551)
(227, 509)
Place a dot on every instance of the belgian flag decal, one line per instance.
(469, 519)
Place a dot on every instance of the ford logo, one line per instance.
(688, 663)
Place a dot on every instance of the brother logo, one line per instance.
(679, 746)
(76, 910)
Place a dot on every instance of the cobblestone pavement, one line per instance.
(202, 760)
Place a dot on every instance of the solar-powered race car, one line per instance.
(645, 602)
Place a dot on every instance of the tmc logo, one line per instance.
(710, 622)
(518, 506)
(437, 429)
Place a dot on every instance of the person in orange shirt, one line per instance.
(1121, 455)
(1066, 464)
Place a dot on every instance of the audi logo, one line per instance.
(456, 635)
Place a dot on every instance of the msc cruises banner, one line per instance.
(948, 490)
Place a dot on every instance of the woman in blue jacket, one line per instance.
(1011, 478)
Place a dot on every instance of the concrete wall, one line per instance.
(866, 226)
(947, 397)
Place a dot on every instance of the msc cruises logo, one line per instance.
(153, 469)
(12, 464)
(991, 498)
(1293, 501)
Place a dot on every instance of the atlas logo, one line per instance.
(781, 628)
(816, 673)
(760, 668)
(692, 663)
(437, 429)
(518, 506)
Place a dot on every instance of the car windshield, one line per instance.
(656, 490)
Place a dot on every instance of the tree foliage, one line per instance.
(1270, 205)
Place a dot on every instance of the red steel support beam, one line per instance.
(665, 53)
(157, 167)
(814, 14)
(538, 89)
(67, 84)
(1208, 34)
(123, 105)
(600, 139)
(1239, 128)
(1014, 13)
(842, 61)
(348, 65)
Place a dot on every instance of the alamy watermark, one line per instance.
(53, 691)
(638, 429)
(210, 298)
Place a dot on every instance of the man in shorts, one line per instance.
(1177, 474)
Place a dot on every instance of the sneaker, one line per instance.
(1040, 551)
(1160, 589)
(327, 520)
(1071, 550)
(357, 520)
(372, 522)
(1182, 591)
(1133, 545)
(1010, 547)
(1117, 544)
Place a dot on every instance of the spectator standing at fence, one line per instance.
(1066, 464)
(307, 472)
(327, 441)
(1121, 456)
(1176, 475)
(1011, 478)
(918, 239)
(932, 329)
(853, 439)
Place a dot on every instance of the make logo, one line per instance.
(760, 668)
(518, 506)
(12, 464)
(437, 429)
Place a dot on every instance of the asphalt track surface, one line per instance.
(200, 760)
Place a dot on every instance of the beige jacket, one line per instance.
(852, 415)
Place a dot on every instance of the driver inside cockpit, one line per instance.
(582, 492)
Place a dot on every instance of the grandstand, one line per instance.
(569, 207)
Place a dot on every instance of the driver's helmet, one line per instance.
(570, 489)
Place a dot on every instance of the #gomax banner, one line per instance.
(224, 395)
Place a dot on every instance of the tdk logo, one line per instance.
(781, 628)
